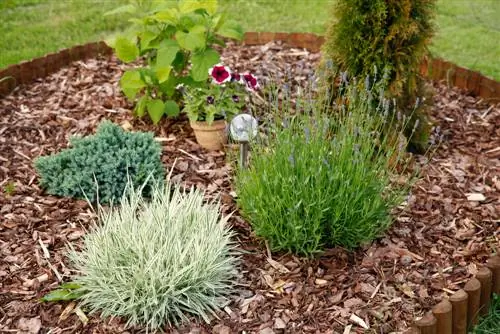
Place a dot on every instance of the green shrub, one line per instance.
(322, 180)
(157, 262)
(96, 167)
(176, 38)
(389, 35)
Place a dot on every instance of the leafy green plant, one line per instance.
(319, 180)
(176, 39)
(96, 167)
(389, 35)
(157, 262)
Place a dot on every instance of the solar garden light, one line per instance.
(243, 128)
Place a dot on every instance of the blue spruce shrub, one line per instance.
(97, 167)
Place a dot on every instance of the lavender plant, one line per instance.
(320, 180)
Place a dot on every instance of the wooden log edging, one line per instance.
(27, 71)
(474, 83)
(461, 311)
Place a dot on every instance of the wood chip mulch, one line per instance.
(449, 227)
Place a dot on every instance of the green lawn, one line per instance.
(490, 324)
(468, 31)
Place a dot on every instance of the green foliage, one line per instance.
(65, 292)
(319, 180)
(96, 167)
(490, 323)
(176, 38)
(389, 35)
(157, 262)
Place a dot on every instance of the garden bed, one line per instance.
(450, 224)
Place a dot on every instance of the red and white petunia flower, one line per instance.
(251, 81)
(220, 74)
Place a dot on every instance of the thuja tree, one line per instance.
(388, 36)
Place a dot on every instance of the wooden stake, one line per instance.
(427, 325)
(459, 302)
(473, 289)
(494, 265)
(443, 314)
(484, 276)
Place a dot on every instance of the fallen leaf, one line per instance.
(347, 329)
(278, 266)
(352, 302)
(358, 321)
(81, 315)
(67, 311)
(476, 197)
(279, 323)
(31, 325)
(407, 290)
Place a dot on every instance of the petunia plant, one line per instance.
(176, 40)
(222, 96)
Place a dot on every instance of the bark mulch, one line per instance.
(450, 225)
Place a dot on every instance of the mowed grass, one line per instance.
(468, 31)
(490, 323)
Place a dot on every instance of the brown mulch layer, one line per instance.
(450, 225)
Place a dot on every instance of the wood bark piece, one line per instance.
(494, 265)
(459, 302)
(443, 314)
(473, 289)
(427, 325)
(484, 276)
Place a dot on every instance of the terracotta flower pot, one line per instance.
(212, 137)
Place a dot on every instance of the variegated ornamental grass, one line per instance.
(157, 262)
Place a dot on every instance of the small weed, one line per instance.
(9, 188)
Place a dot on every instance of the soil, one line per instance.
(448, 228)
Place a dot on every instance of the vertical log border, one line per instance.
(474, 83)
(460, 312)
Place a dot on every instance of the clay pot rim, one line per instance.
(203, 125)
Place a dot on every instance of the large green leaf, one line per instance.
(155, 110)
(191, 40)
(187, 6)
(126, 50)
(63, 294)
(162, 73)
(201, 63)
(146, 37)
(131, 83)
(231, 29)
(166, 53)
(171, 109)
(168, 16)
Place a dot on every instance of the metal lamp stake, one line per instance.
(243, 128)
